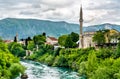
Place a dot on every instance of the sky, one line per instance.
(94, 11)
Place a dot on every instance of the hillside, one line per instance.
(30, 27)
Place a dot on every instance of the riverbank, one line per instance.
(102, 63)
(95, 64)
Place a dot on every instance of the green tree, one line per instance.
(92, 63)
(74, 37)
(3, 47)
(44, 34)
(118, 50)
(99, 37)
(68, 42)
(30, 45)
(39, 39)
(1, 40)
(62, 39)
(7, 63)
(16, 49)
(15, 39)
(16, 68)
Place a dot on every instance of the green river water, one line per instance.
(36, 70)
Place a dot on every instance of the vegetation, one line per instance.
(105, 36)
(16, 49)
(69, 41)
(99, 37)
(95, 64)
(15, 39)
(62, 39)
(9, 64)
(39, 39)
(31, 45)
(102, 63)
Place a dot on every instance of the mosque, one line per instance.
(85, 38)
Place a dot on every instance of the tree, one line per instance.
(3, 47)
(69, 41)
(39, 39)
(15, 39)
(30, 45)
(26, 42)
(74, 37)
(9, 64)
(1, 40)
(99, 37)
(16, 49)
(118, 50)
(29, 39)
(44, 34)
(62, 39)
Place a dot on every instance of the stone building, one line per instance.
(88, 39)
(85, 38)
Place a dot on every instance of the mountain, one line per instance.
(102, 27)
(30, 27)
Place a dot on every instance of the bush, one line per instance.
(9, 64)
(60, 61)
(118, 51)
(16, 69)
(16, 49)
(49, 60)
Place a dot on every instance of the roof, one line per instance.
(48, 43)
(53, 38)
(8, 41)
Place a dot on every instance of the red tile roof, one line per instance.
(53, 38)
(8, 41)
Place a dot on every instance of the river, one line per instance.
(36, 70)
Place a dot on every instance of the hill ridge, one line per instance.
(30, 27)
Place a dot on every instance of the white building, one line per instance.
(88, 42)
(88, 38)
(51, 40)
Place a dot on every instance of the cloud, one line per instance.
(57, 3)
(95, 11)
(107, 5)
(27, 13)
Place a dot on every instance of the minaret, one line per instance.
(81, 44)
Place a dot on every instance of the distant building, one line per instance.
(88, 38)
(51, 40)
(114, 33)
(21, 42)
(7, 41)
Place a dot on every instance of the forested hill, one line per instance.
(30, 27)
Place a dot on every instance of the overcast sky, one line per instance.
(95, 11)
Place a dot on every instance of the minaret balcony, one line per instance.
(81, 20)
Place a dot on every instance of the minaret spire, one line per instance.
(81, 13)
(81, 44)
